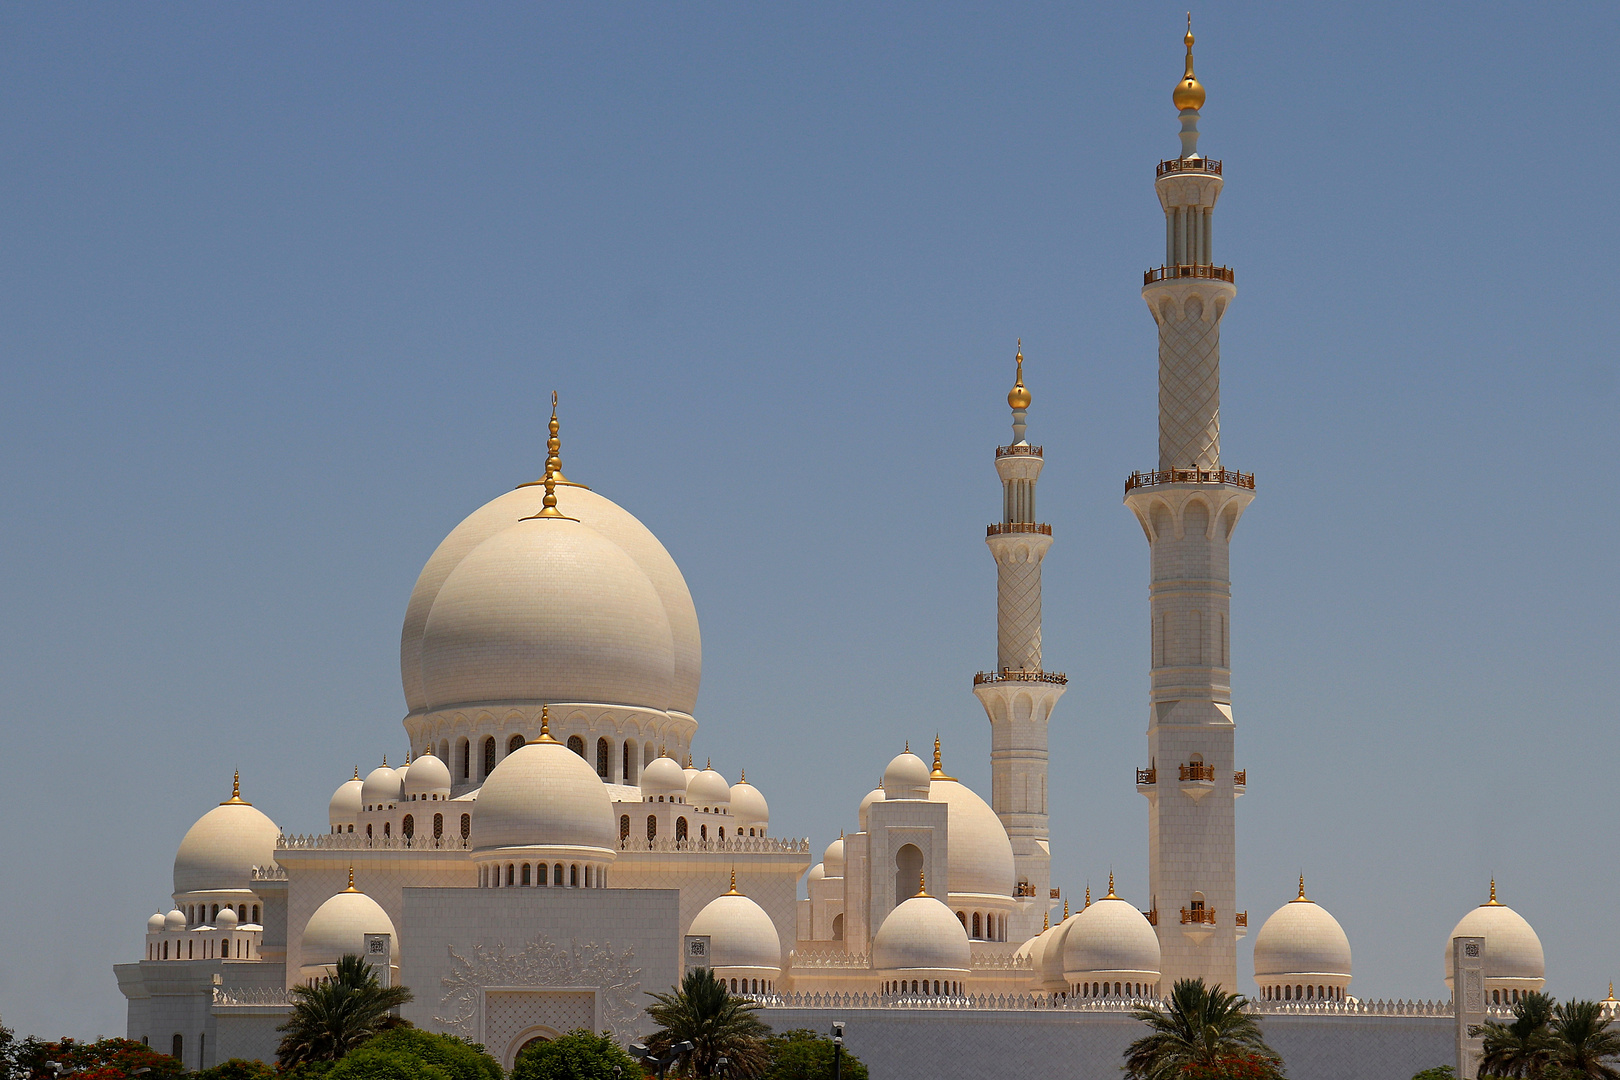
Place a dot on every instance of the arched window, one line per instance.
(489, 755)
(908, 863)
(368, 830)
(838, 927)
(351, 828)
(513, 743)
(602, 758)
(388, 827)
(466, 826)
(680, 828)
(652, 827)
(438, 826)
(975, 930)
(573, 875)
(511, 874)
(556, 876)
(577, 745)
(703, 832)
(179, 1047)
(215, 916)
(241, 913)
(407, 828)
(629, 761)
(525, 875)
(464, 756)
(624, 829)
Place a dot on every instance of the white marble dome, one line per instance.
(906, 777)
(338, 927)
(663, 777)
(1111, 939)
(174, 921)
(921, 933)
(154, 925)
(874, 796)
(1301, 941)
(748, 805)
(226, 919)
(741, 935)
(547, 610)
(1047, 956)
(980, 857)
(1513, 956)
(427, 776)
(219, 852)
(832, 860)
(708, 788)
(600, 514)
(344, 806)
(381, 788)
(543, 795)
(817, 873)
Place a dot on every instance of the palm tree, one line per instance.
(716, 1023)
(1200, 1027)
(332, 1017)
(1522, 1048)
(1582, 1045)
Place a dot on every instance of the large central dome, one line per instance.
(674, 690)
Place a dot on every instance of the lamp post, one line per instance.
(838, 1049)
(660, 1063)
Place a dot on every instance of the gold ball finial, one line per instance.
(554, 476)
(922, 883)
(1088, 896)
(1046, 921)
(1066, 904)
(351, 887)
(357, 772)
(1492, 902)
(545, 724)
(1301, 897)
(1018, 397)
(236, 791)
(1189, 92)
(734, 891)
(939, 767)
(1110, 895)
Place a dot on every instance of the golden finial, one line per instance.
(1110, 895)
(734, 891)
(357, 772)
(351, 887)
(1611, 991)
(385, 761)
(236, 791)
(1492, 902)
(1088, 896)
(548, 505)
(708, 764)
(908, 746)
(1189, 92)
(939, 768)
(1301, 896)
(407, 757)
(545, 724)
(922, 883)
(742, 776)
(1046, 921)
(1018, 397)
(688, 759)
(1066, 906)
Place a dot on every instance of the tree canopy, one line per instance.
(335, 1016)
(717, 1023)
(578, 1055)
(1198, 1032)
(801, 1054)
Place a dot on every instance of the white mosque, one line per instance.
(547, 851)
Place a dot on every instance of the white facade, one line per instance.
(539, 857)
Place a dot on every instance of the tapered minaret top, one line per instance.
(1189, 98)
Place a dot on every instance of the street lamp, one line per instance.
(662, 1063)
(838, 1049)
(721, 1064)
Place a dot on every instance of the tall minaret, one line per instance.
(1188, 508)
(1018, 696)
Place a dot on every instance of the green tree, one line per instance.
(368, 1064)
(1581, 1044)
(716, 1022)
(236, 1069)
(334, 1017)
(1522, 1048)
(807, 1055)
(104, 1059)
(1198, 1029)
(579, 1055)
(463, 1060)
(1439, 1072)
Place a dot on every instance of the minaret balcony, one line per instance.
(1197, 780)
(1188, 270)
(1240, 783)
(1019, 448)
(1193, 164)
(1008, 675)
(1198, 916)
(1006, 528)
(1189, 476)
(1147, 781)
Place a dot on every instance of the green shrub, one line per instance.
(368, 1064)
(579, 1055)
(801, 1054)
(463, 1060)
(237, 1069)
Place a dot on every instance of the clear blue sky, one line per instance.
(284, 288)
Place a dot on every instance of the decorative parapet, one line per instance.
(1354, 1007)
(1054, 1003)
(830, 959)
(1001, 962)
(764, 845)
(1020, 449)
(1189, 476)
(267, 873)
(1009, 675)
(356, 842)
(1212, 166)
(1005, 528)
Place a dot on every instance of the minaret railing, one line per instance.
(1188, 270)
(1002, 528)
(1055, 677)
(1192, 164)
(1189, 476)
(1019, 448)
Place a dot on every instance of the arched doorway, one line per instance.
(531, 1037)
(908, 864)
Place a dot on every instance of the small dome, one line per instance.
(980, 857)
(1047, 957)
(543, 795)
(875, 795)
(219, 852)
(832, 860)
(708, 788)
(174, 920)
(344, 808)
(1513, 955)
(748, 805)
(154, 925)
(382, 786)
(817, 872)
(339, 926)
(689, 772)
(226, 919)
(740, 934)
(427, 775)
(906, 778)
(663, 777)
(548, 611)
(921, 933)
(1301, 940)
(1111, 938)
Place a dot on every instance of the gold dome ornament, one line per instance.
(1018, 397)
(548, 505)
(1189, 92)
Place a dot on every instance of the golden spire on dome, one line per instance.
(708, 764)
(548, 507)
(733, 891)
(1492, 902)
(939, 768)
(908, 746)
(357, 772)
(1088, 896)
(1301, 898)
(922, 883)
(1066, 905)
(407, 757)
(351, 887)
(385, 761)
(1046, 921)
(1110, 895)
(545, 725)
(236, 791)
(1611, 991)
(742, 776)
(688, 764)
(1189, 93)
(1018, 397)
